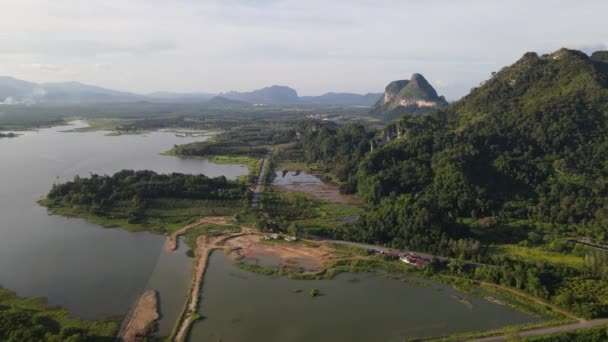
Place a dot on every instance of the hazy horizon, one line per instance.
(313, 47)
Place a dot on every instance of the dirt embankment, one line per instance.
(172, 238)
(142, 317)
(204, 246)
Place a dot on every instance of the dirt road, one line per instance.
(204, 246)
(202, 254)
(257, 193)
(171, 244)
(548, 330)
(533, 299)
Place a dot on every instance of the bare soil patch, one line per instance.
(142, 317)
(250, 248)
(172, 238)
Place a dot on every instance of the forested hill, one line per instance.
(530, 144)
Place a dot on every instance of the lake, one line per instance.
(91, 271)
(96, 272)
(239, 305)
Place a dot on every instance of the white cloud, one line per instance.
(314, 46)
(42, 67)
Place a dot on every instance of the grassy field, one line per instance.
(537, 254)
(31, 319)
(311, 215)
(162, 215)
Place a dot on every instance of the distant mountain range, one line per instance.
(413, 96)
(15, 91)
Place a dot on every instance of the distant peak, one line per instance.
(416, 92)
(600, 56)
(417, 77)
(567, 53)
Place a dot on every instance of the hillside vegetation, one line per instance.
(505, 176)
(529, 144)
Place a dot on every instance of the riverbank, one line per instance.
(140, 321)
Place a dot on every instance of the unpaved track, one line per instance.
(257, 193)
(144, 313)
(202, 253)
(204, 246)
(548, 330)
(533, 299)
(172, 239)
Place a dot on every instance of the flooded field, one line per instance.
(238, 305)
(311, 184)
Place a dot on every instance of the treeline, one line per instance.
(335, 149)
(251, 141)
(133, 190)
(198, 123)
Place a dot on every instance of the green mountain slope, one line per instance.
(529, 144)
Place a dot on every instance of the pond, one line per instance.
(91, 271)
(239, 305)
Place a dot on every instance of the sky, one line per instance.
(313, 46)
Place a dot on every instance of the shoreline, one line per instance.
(204, 246)
(139, 322)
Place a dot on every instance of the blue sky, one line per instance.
(312, 46)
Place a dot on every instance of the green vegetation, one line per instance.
(301, 213)
(333, 149)
(527, 145)
(32, 320)
(246, 145)
(505, 177)
(249, 141)
(145, 200)
(537, 254)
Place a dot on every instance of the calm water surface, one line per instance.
(238, 305)
(91, 271)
